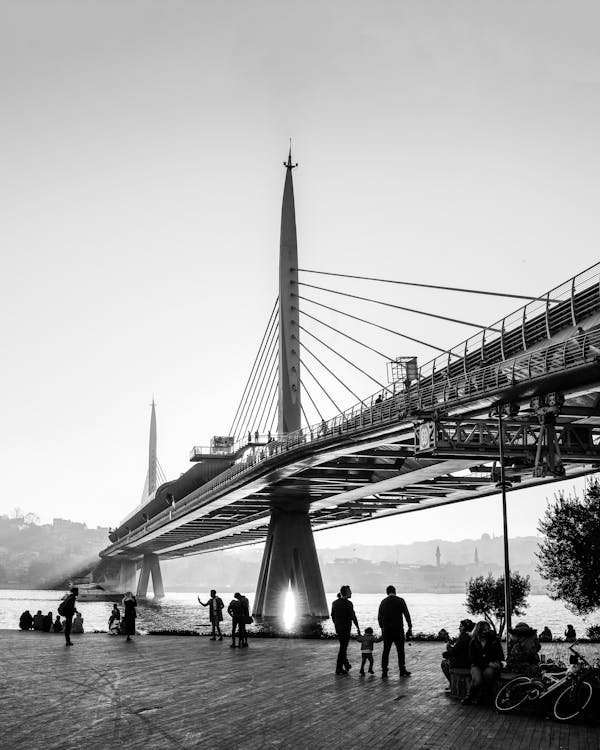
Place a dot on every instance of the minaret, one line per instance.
(289, 337)
(152, 458)
(438, 555)
(476, 558)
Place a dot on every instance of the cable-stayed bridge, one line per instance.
(428, 437)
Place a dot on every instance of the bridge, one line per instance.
(526, 388)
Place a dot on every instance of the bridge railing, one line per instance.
(565, 305)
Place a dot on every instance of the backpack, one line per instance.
(62, 608)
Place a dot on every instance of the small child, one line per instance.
(366, 649)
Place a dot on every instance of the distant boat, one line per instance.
(94, 592)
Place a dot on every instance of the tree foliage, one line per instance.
(569, 555)
(485, 597)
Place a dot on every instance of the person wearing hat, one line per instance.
(523, 657)
(129, 615)
(456, 656)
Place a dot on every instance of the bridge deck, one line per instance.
(181, 692)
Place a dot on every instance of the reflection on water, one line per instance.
(180, 611)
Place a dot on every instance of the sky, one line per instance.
(140, 191)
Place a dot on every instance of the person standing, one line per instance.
(236, 612)
(343, 615)
(245, 620)
(392, 610)
(215, 613)
(67, 610)
(129, 614)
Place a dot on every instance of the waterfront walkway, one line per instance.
(164, 692)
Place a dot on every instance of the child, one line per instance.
(366, 649)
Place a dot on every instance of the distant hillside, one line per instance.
(489, 550)
(37, 556)
(43, 556)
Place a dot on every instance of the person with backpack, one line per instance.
(67, 609)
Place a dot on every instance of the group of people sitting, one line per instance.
(478, 648)
(47, 623)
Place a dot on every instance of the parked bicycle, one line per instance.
(575, 699)
(572, 689)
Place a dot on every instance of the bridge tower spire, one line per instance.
(152, 455)
(290, 556)
(289, 412)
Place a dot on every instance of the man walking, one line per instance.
(67, 610)
(391, 611)
(343, 615)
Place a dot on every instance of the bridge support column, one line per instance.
(290, 558)
(150, 565)
(127, 573)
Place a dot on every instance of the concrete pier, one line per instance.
(163, 692)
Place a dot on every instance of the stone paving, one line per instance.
(163, 692)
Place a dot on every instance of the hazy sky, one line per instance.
(140, 194)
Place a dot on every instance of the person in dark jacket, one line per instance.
(236, 611)
(38, 620)
(48, 620)
(343, 615)
(486, 656)
(392, 610)
(129, 614)
(26, 620)
(457, 654)
(57, 625)
(68, 610)
(243, 600)
(215, 613)
(546, 634)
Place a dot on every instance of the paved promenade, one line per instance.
(163, 692)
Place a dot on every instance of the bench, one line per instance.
(460, 681)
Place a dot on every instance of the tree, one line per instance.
(485, 597)
(569, 555)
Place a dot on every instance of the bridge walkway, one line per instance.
(163, 692)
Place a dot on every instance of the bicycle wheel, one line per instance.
(513, 694)
(573, 701)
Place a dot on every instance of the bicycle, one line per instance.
(522, 689)
(575, 699)
(573, 693)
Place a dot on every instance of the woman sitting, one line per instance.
(456, 655)
(523, 655)
(486, 657)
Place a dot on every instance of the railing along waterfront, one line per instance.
(406, 404)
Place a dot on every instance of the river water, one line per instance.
(180, 611)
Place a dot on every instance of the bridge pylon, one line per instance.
(290, 556)
(290, 559)
(150, 567)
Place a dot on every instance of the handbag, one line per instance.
(249, 620)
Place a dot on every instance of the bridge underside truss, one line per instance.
(386, 472)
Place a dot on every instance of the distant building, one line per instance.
(476, 558)
(438, 555)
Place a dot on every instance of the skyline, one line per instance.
(142, 194)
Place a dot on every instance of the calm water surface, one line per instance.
(429, 612)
